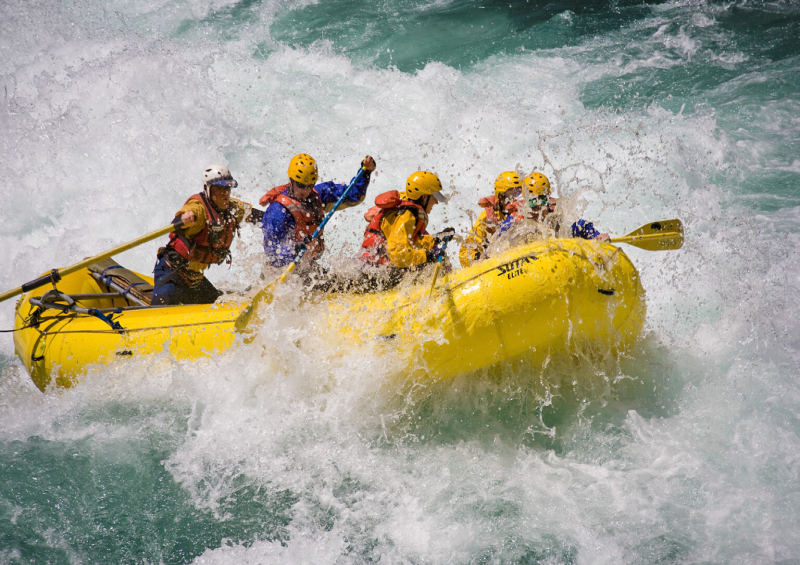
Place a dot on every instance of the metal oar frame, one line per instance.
(56, 300)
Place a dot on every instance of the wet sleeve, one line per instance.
(200, 213)
(474, 243)
(506, 224)
(239, 209)
(402, 252)
(330, 192)
(278, 227)
(426, 242)
(584, 230)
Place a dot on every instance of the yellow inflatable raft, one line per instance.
(534, 300)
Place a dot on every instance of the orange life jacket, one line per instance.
(520, 212)
(212, 244)
(488, 203)
(374, 244)
(308, 215)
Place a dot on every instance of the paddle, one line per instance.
(442, 249)
(656, 236)
(265, 295)
(57, 274)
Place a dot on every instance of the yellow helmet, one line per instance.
(303, 169)
(424, 183)
(537, 184)
(506, 181)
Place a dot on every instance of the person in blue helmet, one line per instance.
(296, 209)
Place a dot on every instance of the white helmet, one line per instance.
(218, 175)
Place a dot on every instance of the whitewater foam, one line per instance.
(296, 448)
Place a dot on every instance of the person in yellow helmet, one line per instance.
(396, 235)
(296, 209)
(541, 209)
(496, 208)
(541, 204)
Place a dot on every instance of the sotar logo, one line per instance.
(515, 267)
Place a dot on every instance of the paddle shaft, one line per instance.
(304, 245)
(246, 316)
(57, 274)
(438, 265)
(321, 226)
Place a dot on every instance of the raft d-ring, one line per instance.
(107, 319)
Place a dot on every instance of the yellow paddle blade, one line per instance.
(243, 321)
(656, 236)
(266, 294)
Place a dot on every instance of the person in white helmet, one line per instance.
(204, 230)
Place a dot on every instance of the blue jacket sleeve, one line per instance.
(505, 224)
(278, 227)
(584, 230)
(329, 192)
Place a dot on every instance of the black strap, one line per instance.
(107, 319)
(414, 210)
(17, 329)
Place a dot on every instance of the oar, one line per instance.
(265, 295)
(57, 274)
(656, 236)
(439, 263)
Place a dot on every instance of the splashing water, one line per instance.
(299, 448)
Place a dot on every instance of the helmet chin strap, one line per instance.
(423, 201)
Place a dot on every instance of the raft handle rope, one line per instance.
(16, 329)
(76, 298)
(51, 299)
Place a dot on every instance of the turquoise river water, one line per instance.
(686, 450)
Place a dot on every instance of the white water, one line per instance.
(108, 123)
